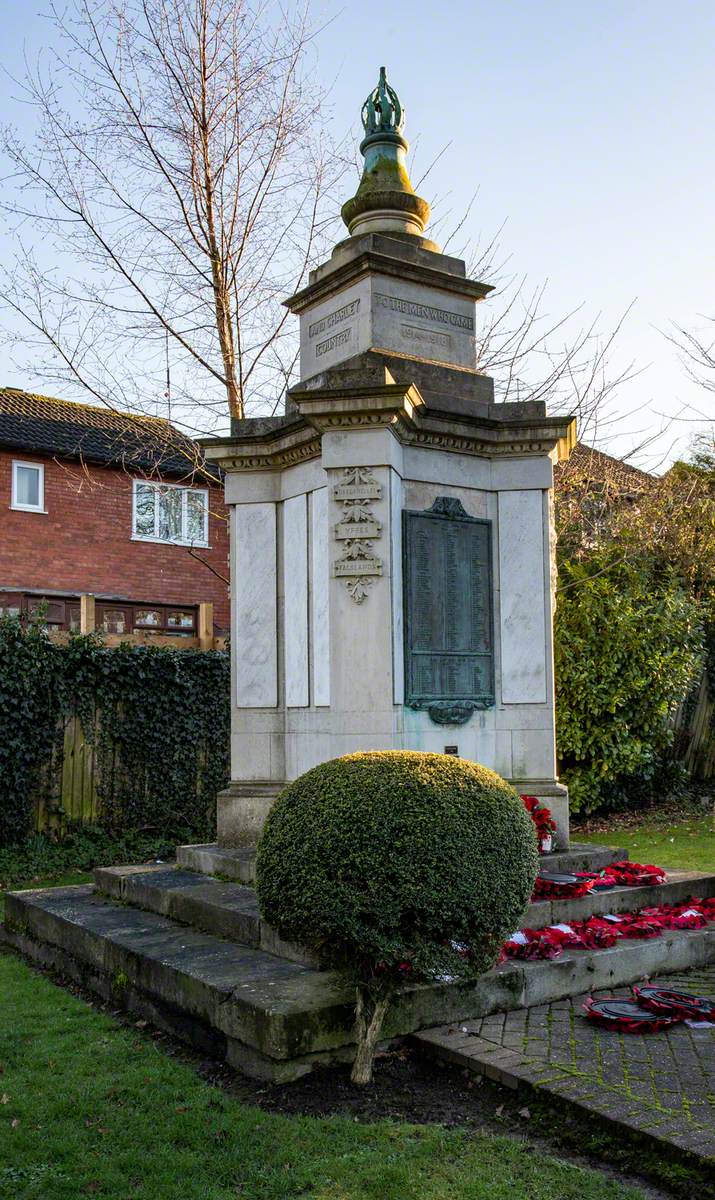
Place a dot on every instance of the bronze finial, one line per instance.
(382, 112)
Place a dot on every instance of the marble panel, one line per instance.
(303, 477)
(525, 716)
(254, 632)
(320, 595)
(522, 597)
(445, 468)
(295, 586)
(518, 474)
(418, 497)
(251, 487)
(502, 753)
(251, 755)
(398, 645)
(533, 754)
(363, 447)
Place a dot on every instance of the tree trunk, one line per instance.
(369, 1016)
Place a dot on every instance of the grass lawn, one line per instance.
(90, 1108)
(686, 841)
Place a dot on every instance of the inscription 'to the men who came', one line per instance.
(426, 312)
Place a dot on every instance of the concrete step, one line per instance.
(273, 1018)
(239, 864)
(229, 910)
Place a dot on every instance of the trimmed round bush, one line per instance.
(395, 865)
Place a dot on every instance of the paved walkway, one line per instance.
(661, 1085)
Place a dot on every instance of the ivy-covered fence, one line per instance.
(152, 723)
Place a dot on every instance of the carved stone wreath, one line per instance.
(357, 529)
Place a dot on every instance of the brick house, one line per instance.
(120, 506)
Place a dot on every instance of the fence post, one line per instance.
(86, 614)
(206, 625)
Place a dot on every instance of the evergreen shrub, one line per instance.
(397, 867)
(629, 646)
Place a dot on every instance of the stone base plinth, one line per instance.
(242, 810)
(552, 795)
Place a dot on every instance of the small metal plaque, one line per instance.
(357, 491)
(357, 566)
(449, 655)
(357, 529)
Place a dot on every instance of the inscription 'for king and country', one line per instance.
(332, 343)
(427, 312)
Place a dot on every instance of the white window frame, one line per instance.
(40, 506)
(182, 541)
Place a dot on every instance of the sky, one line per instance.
(587, 129)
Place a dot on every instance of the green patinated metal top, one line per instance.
(382, 112)
(385, 189)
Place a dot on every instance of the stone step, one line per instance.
(582, 856)
(273, 1018)
(269, 1017)
(679, 886)
(229, 910)
(239, 864)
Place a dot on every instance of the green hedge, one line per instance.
(628, 646)
(159, 719)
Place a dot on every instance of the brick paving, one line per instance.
(660, 1085)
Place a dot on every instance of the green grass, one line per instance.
(686, 842)
(89, 1108)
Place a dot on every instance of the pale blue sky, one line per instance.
(588, 127)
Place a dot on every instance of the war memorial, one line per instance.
(393, 588)
(392, 531)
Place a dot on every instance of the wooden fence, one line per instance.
(694, 726)
(67, 793)
(205, 640)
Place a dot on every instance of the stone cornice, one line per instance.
(399, 408)
(272, 450)
(491, 438)
(389, 404)
(372, 262)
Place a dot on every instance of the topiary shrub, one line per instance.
(394, 866)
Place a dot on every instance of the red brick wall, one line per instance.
(84, 542)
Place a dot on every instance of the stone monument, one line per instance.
(392, 540)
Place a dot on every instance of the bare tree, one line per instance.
(180, 177)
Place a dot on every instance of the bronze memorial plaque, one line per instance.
(449, 656)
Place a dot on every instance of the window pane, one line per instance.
(27, 485)
(180, 620)
(149, 617)
(170, 515)
(114, 620)
(196, 517)
(144, 503)
(52, 612)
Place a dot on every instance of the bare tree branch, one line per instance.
(182, 182)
